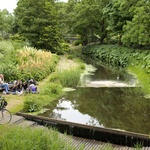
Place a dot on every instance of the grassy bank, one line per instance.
(18, 138)
(143, 78)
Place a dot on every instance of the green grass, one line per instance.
(18, 138)
(142, 76)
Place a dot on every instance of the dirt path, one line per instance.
(65, 63)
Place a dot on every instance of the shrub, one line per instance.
(30, 106)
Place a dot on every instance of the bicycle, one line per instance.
(5, 115)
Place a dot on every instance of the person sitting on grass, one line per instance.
(17, 87)
(32, 88)
(3, 84)
(25, 87)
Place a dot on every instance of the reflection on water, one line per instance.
(67, 110)
(119, 108)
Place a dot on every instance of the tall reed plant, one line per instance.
(70, 78)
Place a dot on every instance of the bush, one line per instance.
(30, 106)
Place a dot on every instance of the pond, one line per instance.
(117, 107)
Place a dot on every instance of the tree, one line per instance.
(62, 18)
(118, 12)
(136, 31)
(5, 23)
(88, 21)
(37, 21)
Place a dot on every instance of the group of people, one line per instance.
(19, 87)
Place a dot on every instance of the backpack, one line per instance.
(34, 89)
(3, 102)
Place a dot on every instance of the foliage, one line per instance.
(117, 13)
(54, 77)
(112, 55)
(6, 48)
(82, 66)
(34, 63)
(13, 137)
(136, 31)
(49, 23)
(62, 20)
(30, 106)
(112, 21)
(119, 56)
(134, 60)
(52, 88)
(26, 62)
(6, 54)
(47, 93)
(38, 23)
(6, 24)
(70, 78)
(88, 20)
(18, 41)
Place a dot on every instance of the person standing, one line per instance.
(4, 85)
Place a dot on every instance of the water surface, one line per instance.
(120, 108)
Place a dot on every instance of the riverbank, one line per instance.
(134, 61)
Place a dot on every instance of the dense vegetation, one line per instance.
(121, 58)
(25, 63)
(49, 23)
(31, 37)
(118, 56)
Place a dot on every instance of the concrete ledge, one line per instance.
(112, 136)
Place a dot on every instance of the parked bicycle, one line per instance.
(5, 115)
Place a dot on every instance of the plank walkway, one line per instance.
(76, 142)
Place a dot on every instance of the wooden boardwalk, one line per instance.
(74, 141)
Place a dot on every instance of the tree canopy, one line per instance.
(50, 22)
(37, 21)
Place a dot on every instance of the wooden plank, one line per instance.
(16, 119)
(112, 136)
(27, 123)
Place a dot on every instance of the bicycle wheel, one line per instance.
(5, 116)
